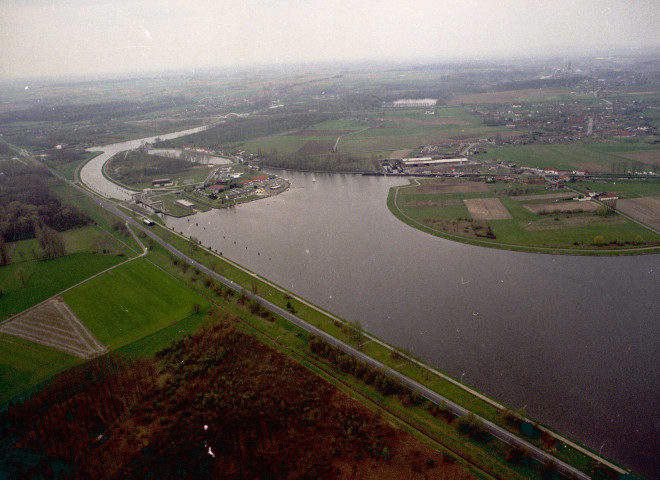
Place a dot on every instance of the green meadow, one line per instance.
(382, 131)
(45, 278)
(24, 365)
(131, 302)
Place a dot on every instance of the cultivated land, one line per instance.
(54, 324)
(646, 209)
(496, 215)
(487, 209)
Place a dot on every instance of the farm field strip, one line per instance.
(544, 196)
(562, 207)
(578, 230)
(487, 209)
(55, 325)
(131, 302)
(644, 209)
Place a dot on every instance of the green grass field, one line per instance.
(131, 302)
(402, 128)
(574, 156)
(24, 365)
(45, 278)
(90, 239)
(149, 345)
(391, 136)
(284, 144)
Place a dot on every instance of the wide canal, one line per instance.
(573, 339)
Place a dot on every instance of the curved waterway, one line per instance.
(92, 173)
(574, 339)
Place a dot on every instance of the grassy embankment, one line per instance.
(554, 229)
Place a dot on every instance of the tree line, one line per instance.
(30, 209)
(138, 167)
(322, 163)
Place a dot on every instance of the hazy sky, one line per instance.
(73, 37)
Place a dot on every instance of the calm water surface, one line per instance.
(574, 339)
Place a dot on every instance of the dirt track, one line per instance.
(54, 325)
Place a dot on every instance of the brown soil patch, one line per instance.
(644, 209)
(487, 209)
(401, 153)
(316, 147)
(652, 157)
(498, 97)
(451, 186)
(547, 196)
(466, 228)
(591, 167)
(563, 207)
(55, 325)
